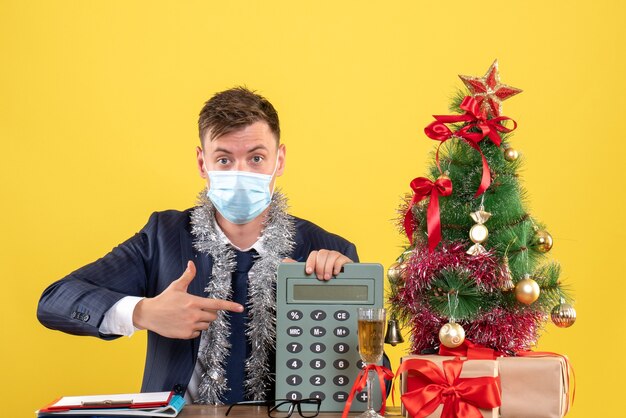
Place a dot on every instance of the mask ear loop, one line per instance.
(273, 173)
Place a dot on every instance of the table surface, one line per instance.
(202, 411)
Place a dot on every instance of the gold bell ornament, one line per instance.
(393, 335)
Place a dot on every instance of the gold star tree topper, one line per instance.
(488, 90)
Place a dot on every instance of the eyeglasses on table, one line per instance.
(274, 405)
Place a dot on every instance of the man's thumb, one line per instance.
(183, 281)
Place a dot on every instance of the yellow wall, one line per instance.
(98, 105)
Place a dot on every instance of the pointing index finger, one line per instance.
(220, 305)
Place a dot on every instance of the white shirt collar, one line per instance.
(257, 246)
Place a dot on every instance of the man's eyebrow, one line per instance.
(258, 147)
(224, 150)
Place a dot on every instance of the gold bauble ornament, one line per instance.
(527, 290)
(563, 315)
(542, 241)
(452, 335)
(395, 272)
(511, 154)
(443, 176)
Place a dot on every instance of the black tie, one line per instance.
(239, 345)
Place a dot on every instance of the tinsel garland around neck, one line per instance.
(278, 242)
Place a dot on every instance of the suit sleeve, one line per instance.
(77, 303)
(350, 252)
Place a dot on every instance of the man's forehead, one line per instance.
(257, 134)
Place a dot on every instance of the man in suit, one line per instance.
(211, 329)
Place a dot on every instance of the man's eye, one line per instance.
(222, 161)
(257, 159)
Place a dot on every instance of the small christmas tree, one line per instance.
(476, 264)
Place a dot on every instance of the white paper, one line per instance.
(135, 398)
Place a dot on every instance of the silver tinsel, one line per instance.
(278, 242)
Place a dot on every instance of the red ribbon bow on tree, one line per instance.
(461, 397)
(473, 118)
(361, 381)
(422, 188)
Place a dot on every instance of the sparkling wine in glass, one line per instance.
(371, 344)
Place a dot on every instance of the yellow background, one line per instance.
(98, 108)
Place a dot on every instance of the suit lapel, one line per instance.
(202, 262)
(203, 268)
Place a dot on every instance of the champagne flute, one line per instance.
(371, 343)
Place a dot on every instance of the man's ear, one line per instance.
(282, 153)
(200, 162)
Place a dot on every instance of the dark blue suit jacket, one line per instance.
(145, 265)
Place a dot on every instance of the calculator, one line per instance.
(316, 334)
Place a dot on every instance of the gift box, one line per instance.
(534, 386)
(429, 380)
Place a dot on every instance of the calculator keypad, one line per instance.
(325, 368)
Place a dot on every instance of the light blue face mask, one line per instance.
(240, 196)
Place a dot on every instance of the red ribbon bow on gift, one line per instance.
(361, 381)
(422, 188)
(473, 118)
(461, 397)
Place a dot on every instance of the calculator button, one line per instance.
(294, 347)
(317, 380)
(342, 315)
(294, 395)
(317, 364)
(360, 365)
(341, 348)
(318, 395)
(294, 363)
(341, 364)
(294, 380)
(294, 315)
(318, 331)
(318, 348)
(340, 396)
(341, 331)
(294, 331)
(318, 315)
(361, 396)
(341, 380)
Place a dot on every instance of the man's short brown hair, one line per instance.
(234, 109)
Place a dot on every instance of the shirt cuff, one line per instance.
(118, 320)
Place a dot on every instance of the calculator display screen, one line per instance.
(354, 293)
